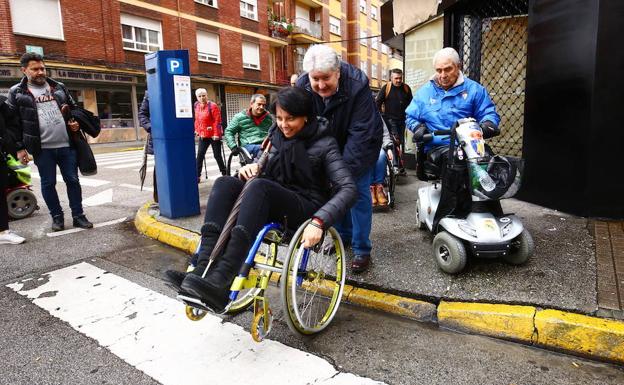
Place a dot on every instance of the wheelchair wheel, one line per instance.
(312, 282)
(390, 183)
(21, 203)
(267, 254)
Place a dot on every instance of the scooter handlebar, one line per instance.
(442, 132)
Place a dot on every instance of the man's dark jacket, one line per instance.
(22, 103)
(145, 122)
(353, 118)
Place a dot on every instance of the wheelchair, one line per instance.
(311, 282)
(389, 183)
(244, 158)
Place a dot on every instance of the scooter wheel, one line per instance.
(21, 203)
(449, 252)
(420, 225)
(521, 249)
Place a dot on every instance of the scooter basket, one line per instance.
(496, 177)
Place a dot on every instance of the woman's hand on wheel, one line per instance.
(311, 236)
(249, 171)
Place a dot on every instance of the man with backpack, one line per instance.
(392, 100)
(208, 129)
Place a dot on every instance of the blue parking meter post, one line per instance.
(171, 115)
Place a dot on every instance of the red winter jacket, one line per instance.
(208, 120)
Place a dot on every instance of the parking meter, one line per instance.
(171, 116)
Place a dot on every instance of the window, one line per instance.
(139, 34)
(251, 56)
(212, 3)
(364, 66)
(363, 6)
(384, 73)
(334, 25)
(363, 38)
(248, 9)
(384, 49)
(374, 71)
(374, 43)
(208, 47)
(26, 16)
(373, 12)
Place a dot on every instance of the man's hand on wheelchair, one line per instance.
(419, 133)
(311, 236)
(489, 129)
(249, 171)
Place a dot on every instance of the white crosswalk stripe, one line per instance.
(150, 332)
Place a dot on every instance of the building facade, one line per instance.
(236, 48)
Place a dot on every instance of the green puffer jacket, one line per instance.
(248, 133)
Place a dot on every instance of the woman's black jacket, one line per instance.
(22, 103)
(335, 192)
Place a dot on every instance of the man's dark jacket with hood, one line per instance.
(353, 118)
(22, 103)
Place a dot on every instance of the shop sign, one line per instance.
(92, 76)
(10, 72)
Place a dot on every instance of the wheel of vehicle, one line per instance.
(450, 252)
(258, 328)
(194, 314)
(420, 225)
(312, 282)
(267, 254)
(21, 203)
(521, 249)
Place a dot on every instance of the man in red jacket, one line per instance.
(208, 129)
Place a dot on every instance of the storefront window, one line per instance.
(115, 109)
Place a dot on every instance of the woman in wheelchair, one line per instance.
(304, 177)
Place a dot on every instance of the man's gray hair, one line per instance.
(446, 53)
(321, 58)
(256, 96)
(199, 91)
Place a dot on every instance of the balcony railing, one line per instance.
(309, 27)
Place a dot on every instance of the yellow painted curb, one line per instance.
(182, 239)
(596, 337)
(503, 321)
(407, 307)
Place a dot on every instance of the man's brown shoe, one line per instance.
(381, 195)
(360, 263)
(373, 195)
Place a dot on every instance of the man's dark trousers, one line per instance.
(65, 158)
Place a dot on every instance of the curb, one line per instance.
(587, 336)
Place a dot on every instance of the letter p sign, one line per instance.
(174, 66)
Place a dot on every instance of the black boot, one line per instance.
(210, 232)
(214, 289)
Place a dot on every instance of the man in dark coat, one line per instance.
(342, 95)
(146, 123)
(43, 108)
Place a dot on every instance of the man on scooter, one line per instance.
(446, 98)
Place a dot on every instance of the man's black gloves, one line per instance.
(236, 151)
(489, 129)
(419, 133)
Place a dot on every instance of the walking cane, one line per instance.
(205, 169)
(231, 220)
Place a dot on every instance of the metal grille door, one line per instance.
(491, 38)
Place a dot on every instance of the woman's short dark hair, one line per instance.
(296, 101)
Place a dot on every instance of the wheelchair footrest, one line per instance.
(198, 303)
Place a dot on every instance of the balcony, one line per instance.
(307, 30)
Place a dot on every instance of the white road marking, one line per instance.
(119, 161)
(89, 182)
(150, 332)
(98, 199)
(136, 187)
(127, 165)
(77, 229)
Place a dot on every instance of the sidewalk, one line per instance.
(552, 301)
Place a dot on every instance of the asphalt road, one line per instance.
(37, 347)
